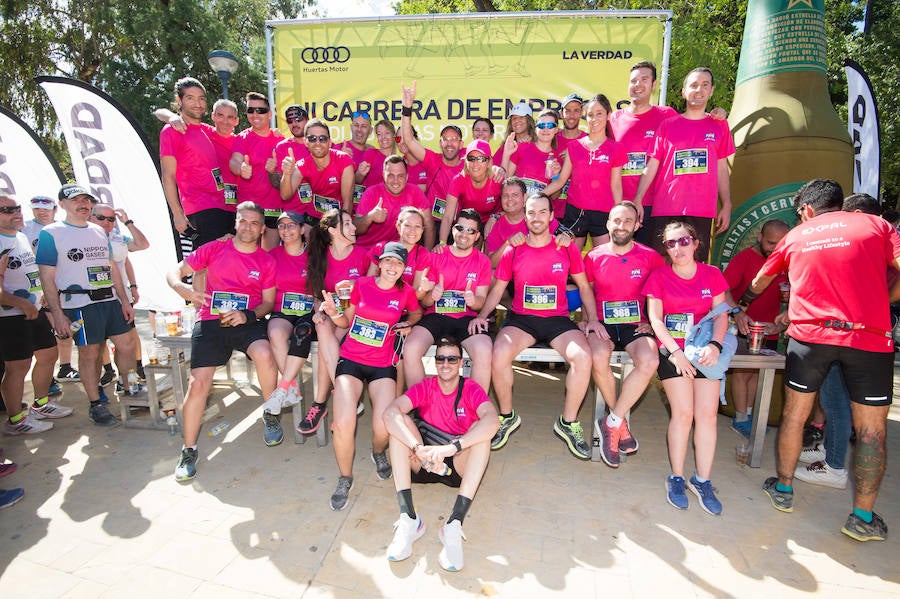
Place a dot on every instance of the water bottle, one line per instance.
(132, 382)
(76, 325)
(188, 318)
(172, 423)
(548, 166)
(218, 429)
(447, 471)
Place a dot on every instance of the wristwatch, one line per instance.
(457, 445)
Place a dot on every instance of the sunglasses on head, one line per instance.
(464, 229)
(546, 125)
(111, 219)
(10, 209)
(47, 201)
(361, 113)
(316, 138)
(449, 359)
(477, 158)
(682, 241)
(257, 109)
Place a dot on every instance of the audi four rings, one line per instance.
(325, 55)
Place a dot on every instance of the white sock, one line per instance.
(613, 421)
(741, 416)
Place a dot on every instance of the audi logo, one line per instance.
(329, 55)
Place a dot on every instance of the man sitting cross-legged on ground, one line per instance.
(240, 291)
(539, 269)
(618, 270)
(465, 418)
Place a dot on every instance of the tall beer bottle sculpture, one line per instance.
(785, 129)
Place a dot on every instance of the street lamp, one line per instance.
(223, 64)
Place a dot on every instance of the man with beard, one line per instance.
(618, 270)
(360, 130)
(296, 118)
(739, 273)
(571, 110)
(539, 270)
(193, 175)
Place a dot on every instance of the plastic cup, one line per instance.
(756, 336)
(172, 328)
(784, 290)
(742, 453)
(222, 322)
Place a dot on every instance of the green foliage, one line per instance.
(134, 51)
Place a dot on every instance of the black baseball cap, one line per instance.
(454, 127)
(297, 111)
(394, 249)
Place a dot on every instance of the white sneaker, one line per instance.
(293, 397)
(27, 426)
(816, 453)
(50, 410)
(406, 532)
(451, 556)
(275, 402)
(820, 473)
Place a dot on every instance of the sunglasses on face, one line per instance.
(361, 113)
(547, 125)
(10, 209)
(316, 139)
(477, 158)
(448, 359)
(294, 119)
(682, 241)
(257, 110)
(463, 229)
(111, 219)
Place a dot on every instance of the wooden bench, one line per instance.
(620, 360)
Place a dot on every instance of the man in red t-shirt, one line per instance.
(839, 313)
(380, 205)
(468, 420)
(539, 269)
(618, 270)
(739, 273)
(240, 291)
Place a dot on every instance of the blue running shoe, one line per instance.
(742, 428)
(675, 494)
(707, 494)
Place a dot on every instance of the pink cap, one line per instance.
(479, 145)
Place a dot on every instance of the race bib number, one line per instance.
(274, 212)
(679, 325)
(296, 304)
(637, 162)
(217, 177)
(225, 301)
(690, 162)
(368, 332)
(305, 193)
(358, 191)
(99, 276)
(323, 204)
(625, 312)
(230, 194)
(34, 281)
(437, 210)
(451, 302)
(537, 297)
(533, 186)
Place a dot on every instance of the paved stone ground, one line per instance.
(103, 517)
